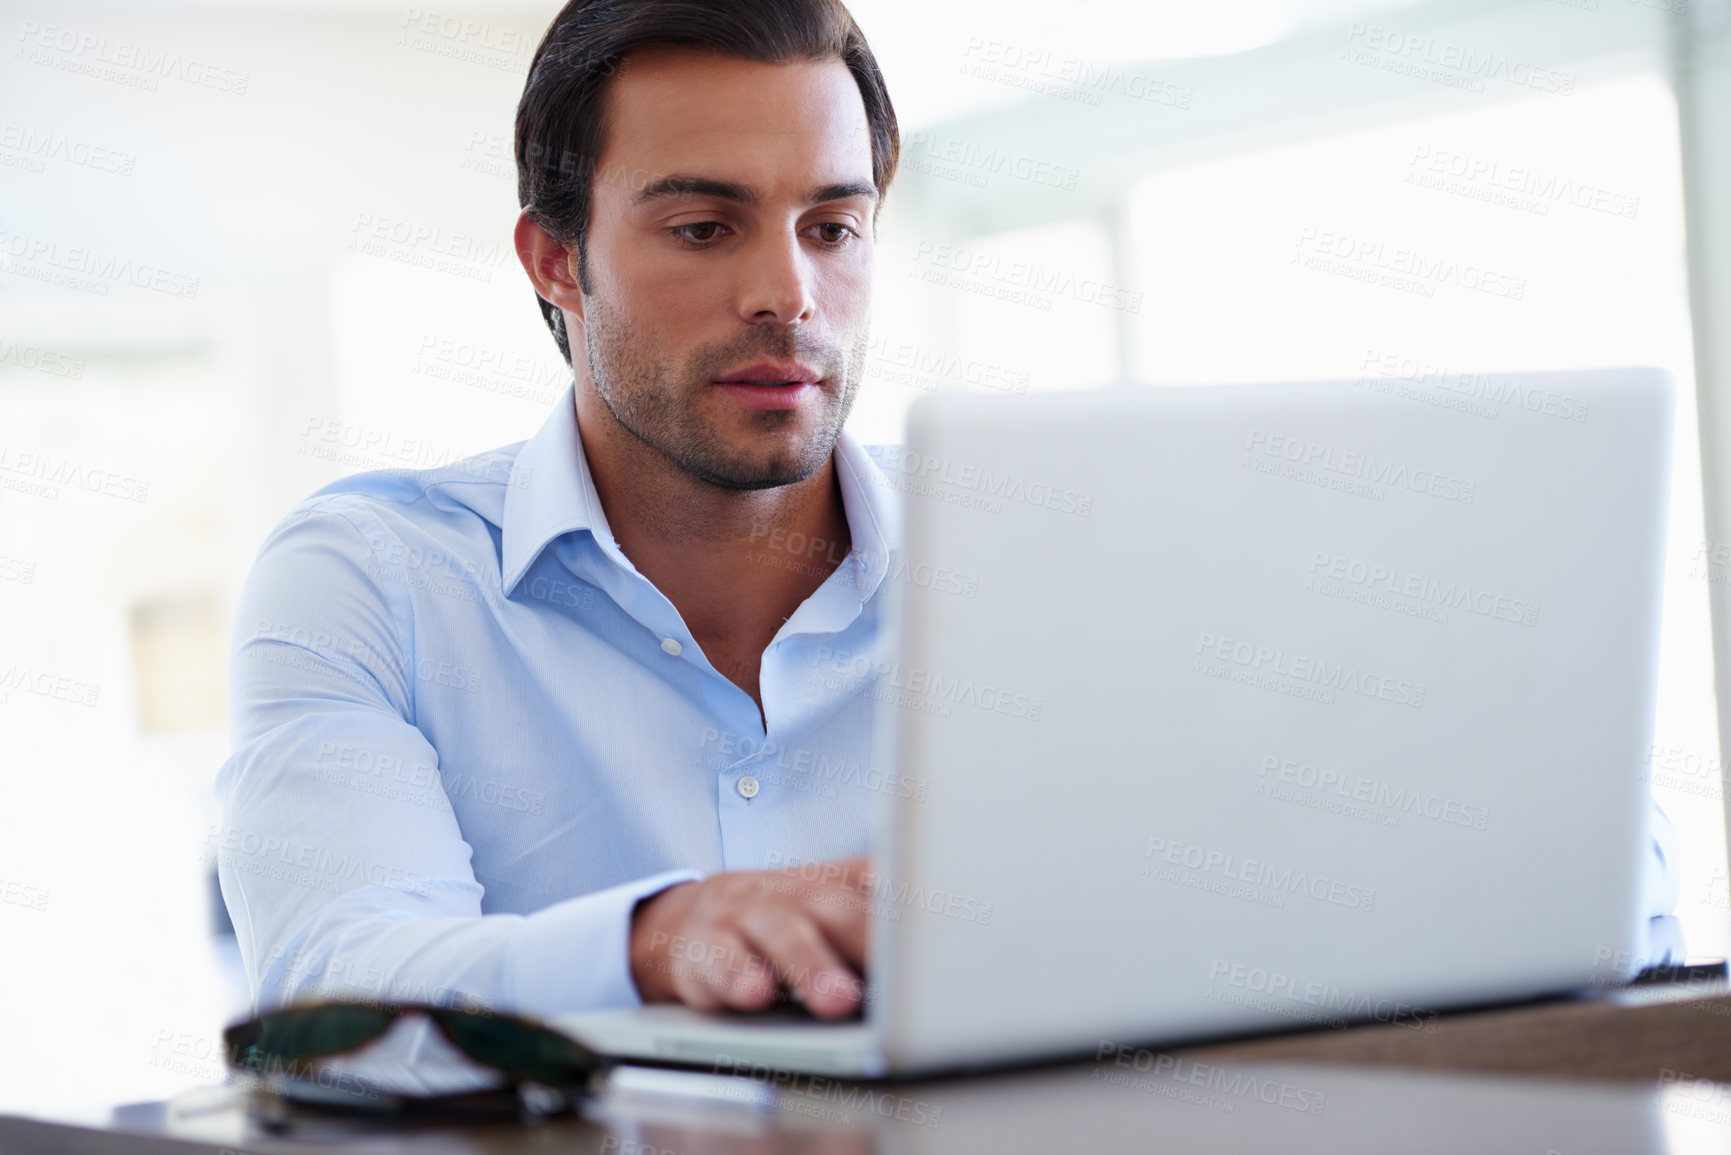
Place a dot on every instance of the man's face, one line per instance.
(730, 242)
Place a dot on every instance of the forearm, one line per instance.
(342, 862)
(371, 944)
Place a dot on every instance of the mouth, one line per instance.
(771, 384)
(770, 395)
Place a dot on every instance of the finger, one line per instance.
(839, 896)
(803, 958)
(845, 916)
(690, 982)
(720, 969)
(850, 874)
(836, 893)
(857, 873)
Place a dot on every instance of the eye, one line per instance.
(699, 234)
(835, 234)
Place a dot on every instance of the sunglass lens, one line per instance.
(299, 1033)
(519, 1047)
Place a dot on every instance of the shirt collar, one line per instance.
(552, 493)
(873, 517)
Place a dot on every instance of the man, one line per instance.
(533, 729)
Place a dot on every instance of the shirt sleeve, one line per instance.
(339, 892)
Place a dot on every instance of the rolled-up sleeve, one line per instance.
(337, 892)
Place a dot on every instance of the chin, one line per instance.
(767, 477)
(762, 471)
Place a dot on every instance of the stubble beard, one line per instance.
(656, 402)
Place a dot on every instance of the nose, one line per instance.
(777, 282)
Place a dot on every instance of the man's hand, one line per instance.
(736, 939)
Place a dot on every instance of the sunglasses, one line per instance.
(287, 1041)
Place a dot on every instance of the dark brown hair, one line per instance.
(560, 119)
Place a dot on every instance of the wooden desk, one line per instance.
(1638, 1037)
(1623, 1077)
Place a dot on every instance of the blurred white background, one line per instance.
(199, 325)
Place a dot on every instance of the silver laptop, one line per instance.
(1272, 707)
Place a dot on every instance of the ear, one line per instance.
(552, 267)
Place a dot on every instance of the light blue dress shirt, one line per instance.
(468, 735)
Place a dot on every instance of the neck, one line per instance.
(736, 564)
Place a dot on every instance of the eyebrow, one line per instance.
(679, 185)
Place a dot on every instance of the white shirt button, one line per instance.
(669, 646)
(747, 787)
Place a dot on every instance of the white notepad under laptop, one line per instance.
(1273, 706)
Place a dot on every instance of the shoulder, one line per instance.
(363, 546)
(477, 484)
(453, 502)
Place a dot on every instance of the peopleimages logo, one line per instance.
(38, 146)
(981, 163)
(897, 462)
(803, 766)
(1242, 984)
(1303, 778)
(89, 270)
(1041, 283)
(122, 61)
(1270, 660)
(1520, 181)
(1256, 873)
(930, 685)
(933, 900)
(1444, 62)
(927, 368)
(53, 473)
(1374, 578)
(59, 687)
(1398, 266)
(1470, 388)
(306, 864)
(42, 360)
(1360, 466)
(1231, 1084)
